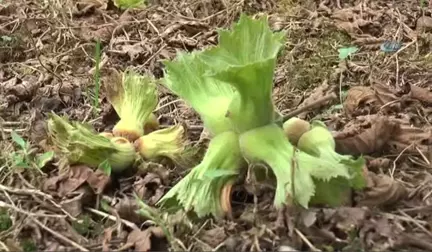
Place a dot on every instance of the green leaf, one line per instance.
(19, 140)
(42, 160)
(104, 205)
(246, 59)
(210, 98)
(105, 167)
(347, 51)
(6, 38)
(19, 161)
(128, 4)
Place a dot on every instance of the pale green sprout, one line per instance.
(80, 144)
(133, 97)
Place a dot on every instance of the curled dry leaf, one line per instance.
(369, 141)
(347, 218)
(98, 181)
(424, 24)
(358, 96)
(77, 175)
(408, 139)
(79, 198)
(142, 239)
(66, 183)
(322, 90)
(378, 164)
(421, 94)
(381, 190)
(373, 98)
(150, 188)
(213, 237)
(380, 233)
(17, 90)
(127, 209)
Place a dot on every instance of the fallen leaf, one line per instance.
(214, 236)
(421, 94)
(107, 239)
(322, 90)
(98, 180)
(381, 190)
(380, 233)
(348, 218)
(142, 239)
(149, 188)
(347, 52)
(378, 164)
(357, 96)
(406, 136)
(80, 197)
(424, 24)
(386, 96)
(77, 175)
(127, 209)
(369, 141)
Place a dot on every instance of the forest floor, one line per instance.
(382, 109)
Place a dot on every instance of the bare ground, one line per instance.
(382, 110)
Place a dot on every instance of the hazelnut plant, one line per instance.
(230, 86)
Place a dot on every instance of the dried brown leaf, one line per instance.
(149, 188)
(407, 138)
(77, 175)
(98, 181)
(424, 24)
(421, 94)
(127, 209)
(381, 190)
(358, 96)
(369, 141)
(322, 90)
(79, 198)
(213, 237)
(142, 239)
(386, 96)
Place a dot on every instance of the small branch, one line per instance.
(309, 106)
(6, 205)
(113, 218)
(61, 237)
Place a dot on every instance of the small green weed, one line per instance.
(25, 156)
(5, 220)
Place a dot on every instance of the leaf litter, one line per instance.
(382, 111)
